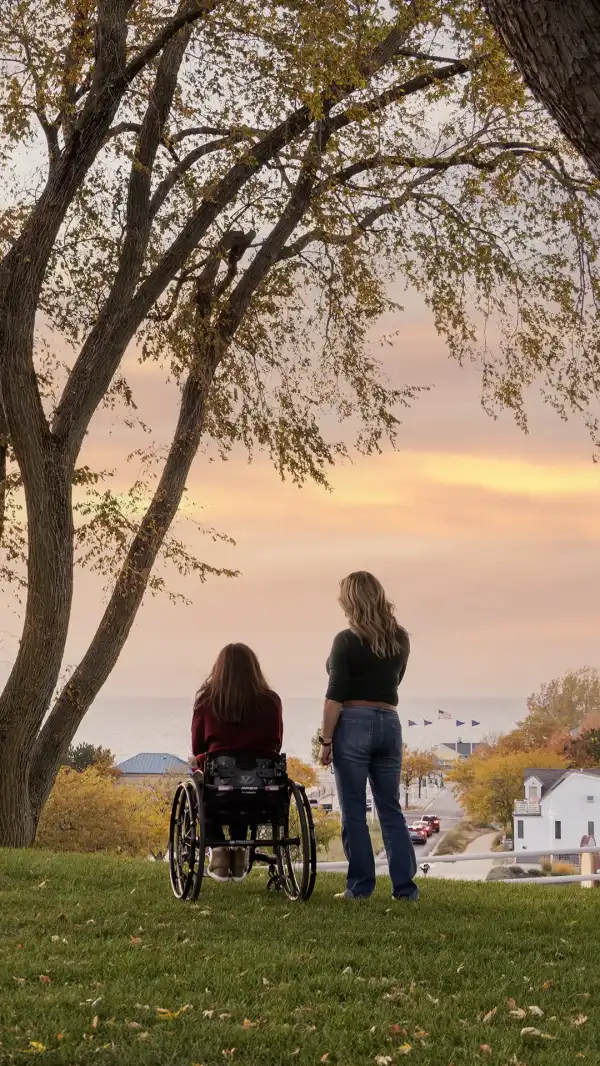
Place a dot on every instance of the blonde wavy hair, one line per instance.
(371, 615)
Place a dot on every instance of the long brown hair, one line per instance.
(235, 687)
(371, 615)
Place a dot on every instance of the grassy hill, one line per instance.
(99, 964)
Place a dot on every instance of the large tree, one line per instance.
(230, 186)
(556, 46)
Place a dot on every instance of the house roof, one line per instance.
(463, 747)
(152, 762)
(551, 778)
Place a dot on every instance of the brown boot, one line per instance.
(218, 867)
(238, 863)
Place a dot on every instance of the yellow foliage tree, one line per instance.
(90, 811)
(301, 772)
(327, 828)
(488, 785)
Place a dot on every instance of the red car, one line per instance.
(417, 835)
(433, 821)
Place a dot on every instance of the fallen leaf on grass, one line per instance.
(398, 1030)
(432, 999)
(95, 1021)
(247, 1024)
(266, 981)
(143, 1036)
(347, 970)
(537, 1011)
(36, 1047)
(404, 1049)
(45, 979)
(55, 939)
(383, 1060)
(135, 939)
(229, 1051)
(420, 1034)
(581, 1019)
(325, 1057)
(486, 1049)
(133, 1025)
(204, 914)
(547, 985)
(19, 980)
(43, 884)
(511, 1004)
(207, 1013)
(529, 1031)
(224, 1017)
(518, 1013)
(488, 1017)
(168, 1015)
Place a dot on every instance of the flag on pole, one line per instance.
(425, 722)
(473, 722)
(411, 723)
(459, 723)
(446, 715)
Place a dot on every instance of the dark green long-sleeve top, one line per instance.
(356, 673)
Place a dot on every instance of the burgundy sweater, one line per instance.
(263, 732)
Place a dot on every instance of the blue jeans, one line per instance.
(367, 744)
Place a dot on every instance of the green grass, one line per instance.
(327, 978)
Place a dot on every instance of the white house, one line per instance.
(558, 809)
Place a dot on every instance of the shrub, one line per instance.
(562, 869)
(89, 811)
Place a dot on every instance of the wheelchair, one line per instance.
(255, 789)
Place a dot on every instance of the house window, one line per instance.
(520, 833)
(591, 829)
(533, 794)
(558, 830)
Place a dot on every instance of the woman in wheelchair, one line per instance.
(234, 710)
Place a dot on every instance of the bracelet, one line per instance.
(324, 743)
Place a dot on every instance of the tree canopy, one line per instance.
(234, 189)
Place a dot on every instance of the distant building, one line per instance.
(149, 767)
(449, 754)
(558, 809)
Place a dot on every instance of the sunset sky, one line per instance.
(487, 540)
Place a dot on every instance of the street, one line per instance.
(439, 802)
(445, 806)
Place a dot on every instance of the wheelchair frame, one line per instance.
(262, 796)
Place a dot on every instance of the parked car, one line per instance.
(433, 821)
(425, 826)
(417, 836)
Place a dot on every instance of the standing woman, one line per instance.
(361, 726)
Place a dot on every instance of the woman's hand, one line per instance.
(325, 755)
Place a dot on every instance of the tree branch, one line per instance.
(104, 347)
(165, 186)
(184, 18)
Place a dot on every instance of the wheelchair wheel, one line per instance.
(187, 841)
(297, 863)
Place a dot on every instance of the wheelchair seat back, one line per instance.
(247, 786)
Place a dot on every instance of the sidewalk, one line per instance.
(476, 870)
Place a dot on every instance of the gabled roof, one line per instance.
(151, 762)
(551, 778)
(463, 747)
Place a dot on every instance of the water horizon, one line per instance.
(132, 724)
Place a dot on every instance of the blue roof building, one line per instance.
(153, 763)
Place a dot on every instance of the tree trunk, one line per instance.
(107, 644)
(556, 46)
(33, 678)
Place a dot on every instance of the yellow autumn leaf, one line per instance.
(581, 1019)
(404, 1049)
(36, 1047)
